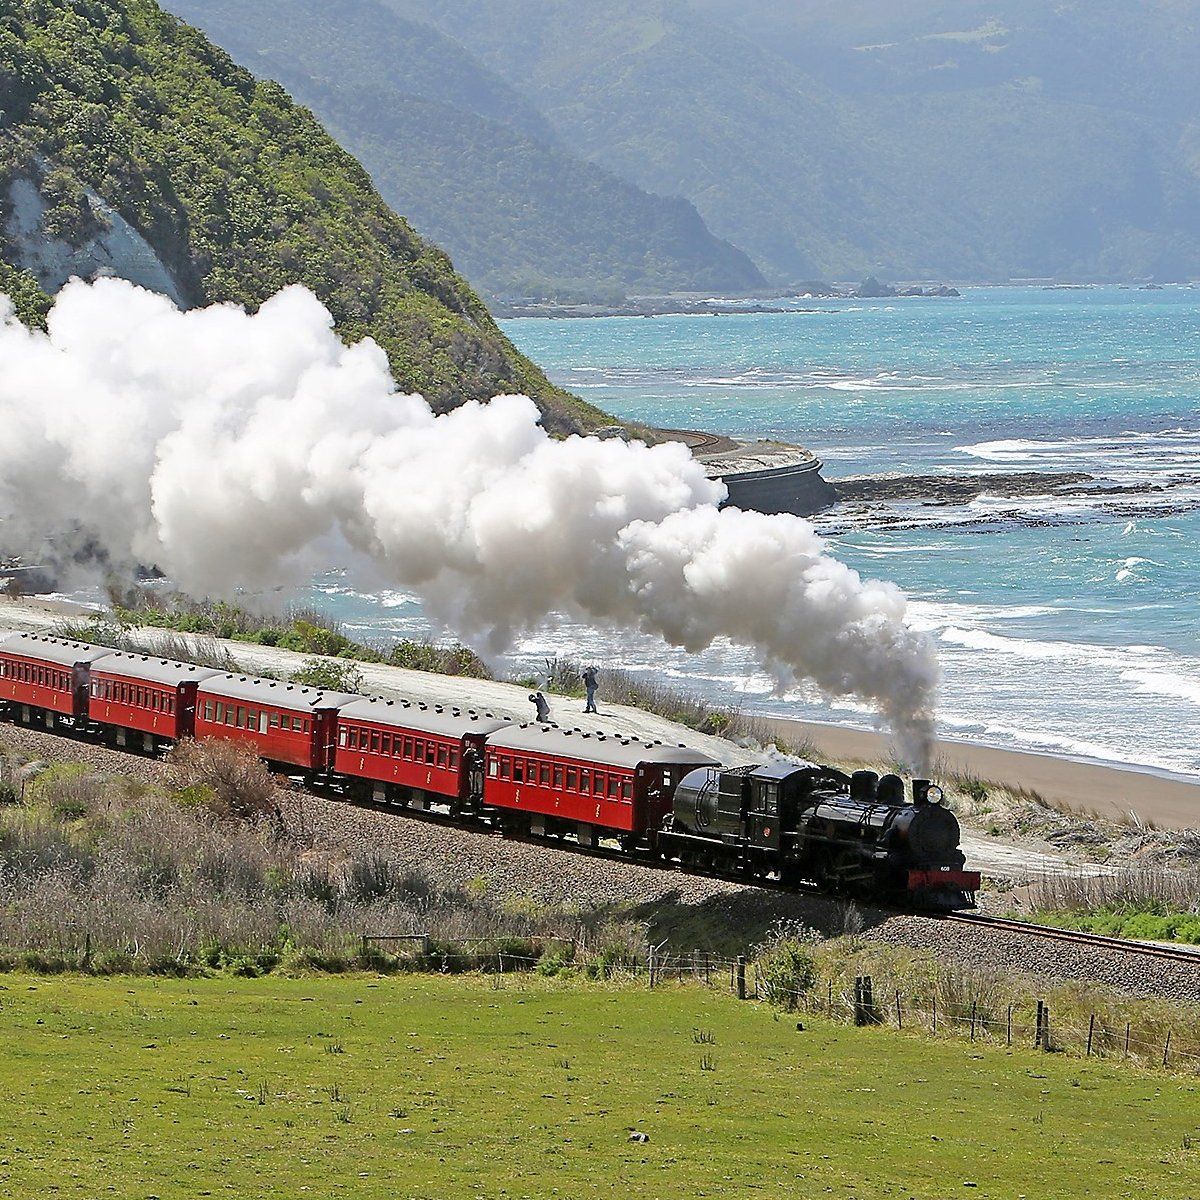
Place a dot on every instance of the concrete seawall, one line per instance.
(800, 490)
(770, 477)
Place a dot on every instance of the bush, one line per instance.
(68, 790)
(329, 676)
(785, 966)
(228, 779)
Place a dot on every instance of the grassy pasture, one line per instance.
(440, 1087)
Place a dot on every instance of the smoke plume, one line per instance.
(235, 450)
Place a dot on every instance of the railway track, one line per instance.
(1075, 937)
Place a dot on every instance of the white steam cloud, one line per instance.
(230, 450)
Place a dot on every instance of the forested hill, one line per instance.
(126, 134)
(930, 138)
(467, 158)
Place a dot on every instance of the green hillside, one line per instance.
(467, 157)
(965, 139)
(238, 190)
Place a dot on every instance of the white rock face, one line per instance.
(117, 250)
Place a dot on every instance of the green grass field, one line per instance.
(439, 1087)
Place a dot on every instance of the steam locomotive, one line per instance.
(852, 834)
(856, 834)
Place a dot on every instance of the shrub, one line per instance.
(329, 676)
(228, 779)
(68, 790)
(784, 964)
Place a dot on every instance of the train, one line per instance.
(795, 823)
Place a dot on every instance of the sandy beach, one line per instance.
(1085, 787)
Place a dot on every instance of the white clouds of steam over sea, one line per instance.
(233, 450)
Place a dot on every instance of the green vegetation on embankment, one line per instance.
(238, 190)
(467, 1087)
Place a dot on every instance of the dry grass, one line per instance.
(104, 874)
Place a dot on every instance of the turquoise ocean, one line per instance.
(1066, 625)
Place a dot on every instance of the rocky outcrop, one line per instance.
(113, 246)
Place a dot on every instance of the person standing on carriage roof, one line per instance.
(590, 682)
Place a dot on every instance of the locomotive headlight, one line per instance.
(935, 795)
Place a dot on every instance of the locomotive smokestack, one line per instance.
(236, 450)
(920, 791)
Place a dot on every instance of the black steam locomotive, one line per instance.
(857, 835)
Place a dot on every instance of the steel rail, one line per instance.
(1076, 937)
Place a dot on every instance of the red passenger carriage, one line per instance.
(414, 752)
(284, 722)
(589, 784)
(154, 699)
(46, 677)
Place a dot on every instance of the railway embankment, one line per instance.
(683, 909)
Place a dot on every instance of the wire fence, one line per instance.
(1030, 1023)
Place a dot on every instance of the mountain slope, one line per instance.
(961, 138)
(466, 156)
(114, 107)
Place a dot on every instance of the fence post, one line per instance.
(864, 1001)
(1091, 1031)
(1126, 1039)
(650, 965)
(1010, 1007)
(829, 1008)
(1167, 1048)
(974, 1010)
(1041, 1016)
(935, 1013)
(362, 953)
(899, 1016)
(741, 976)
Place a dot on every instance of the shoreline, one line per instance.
(1109, 790)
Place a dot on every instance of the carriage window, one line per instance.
(614, 786)
(453, 759)
(442, 756)
(558, 777)
(585, 781)
(374, 741)
(208, 710)
(544, 774)
(505, 768)
(627, 791)
(273, 721)
(230, 714)
(385, 743)
(518, 772)
(771, 799)
(597, 783)
(572, 779)
(343, 738)
(262, 722)
(493, 768)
